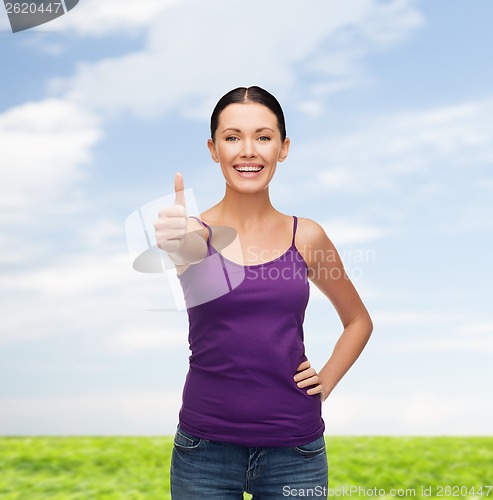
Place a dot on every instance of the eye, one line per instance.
(264, 138)
(232, 138)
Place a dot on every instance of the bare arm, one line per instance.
(326, 271)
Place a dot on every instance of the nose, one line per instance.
(248, 150)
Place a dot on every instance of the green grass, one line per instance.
(110, 468)
(84, 468)
(412, 463)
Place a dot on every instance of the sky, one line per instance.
(389, 108)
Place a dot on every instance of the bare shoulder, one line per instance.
(310, 232)
(312, 242)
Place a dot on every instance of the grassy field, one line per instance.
(110, 468)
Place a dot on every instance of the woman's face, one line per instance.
(248, 146)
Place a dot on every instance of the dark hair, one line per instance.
(244, 95)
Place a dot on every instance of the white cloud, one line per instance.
(406, 144)
(137, 338)
(104, 233)
(346, 231)
(156, 413)
(434, 331)
(413, 413)
(44, 145)
(409, 317)
(4, 21)
(80, 275)
(93, 18)
(473, 216)
(312, 108)
(479, 328)
(81, 293)
(440, 345)
(192, 52)
(117, 413)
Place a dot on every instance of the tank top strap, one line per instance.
(295, 225)
(209, 230)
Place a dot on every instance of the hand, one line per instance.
(172, 222)
(306, 376)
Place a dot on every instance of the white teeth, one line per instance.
(248, 169)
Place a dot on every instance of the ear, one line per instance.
(283, 154)
(213, 150)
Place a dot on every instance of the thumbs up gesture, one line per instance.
(172, 222)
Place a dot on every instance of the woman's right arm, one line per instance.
(182, 238)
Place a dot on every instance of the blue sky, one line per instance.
(389, 108)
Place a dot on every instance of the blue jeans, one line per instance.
(223, 471)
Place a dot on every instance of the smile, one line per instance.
(248, 168)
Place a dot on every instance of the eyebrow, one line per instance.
(256, 131)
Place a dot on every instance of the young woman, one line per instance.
(251, 414)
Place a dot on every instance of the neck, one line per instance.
(245, 210)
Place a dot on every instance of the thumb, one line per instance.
(179, 190)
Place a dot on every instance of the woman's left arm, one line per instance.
(327, 272)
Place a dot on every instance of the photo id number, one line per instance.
(33, 8)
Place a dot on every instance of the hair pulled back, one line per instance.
(245, 95)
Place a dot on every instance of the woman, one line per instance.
(251, 414)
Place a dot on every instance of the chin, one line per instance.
(247, 187)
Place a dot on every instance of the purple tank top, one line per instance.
(246, 344)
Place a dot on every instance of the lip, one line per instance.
(248, 165)
(248, 175)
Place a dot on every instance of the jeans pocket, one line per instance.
(185, 441)
(312, 449)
